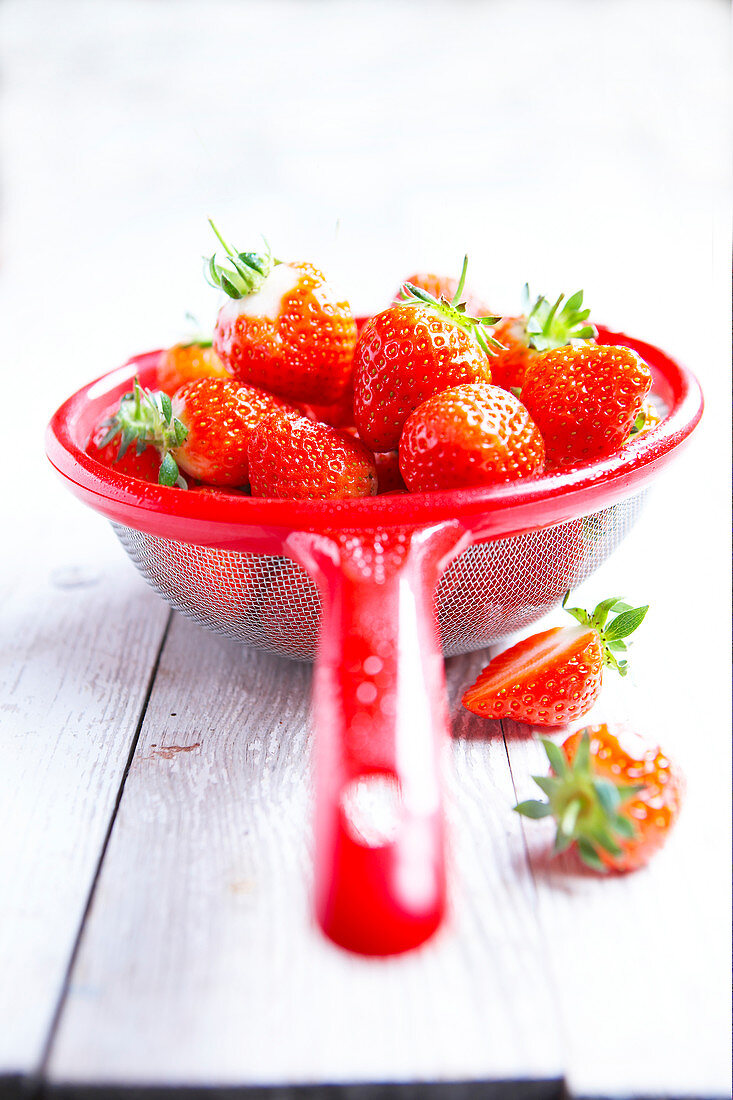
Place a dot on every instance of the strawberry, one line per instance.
(339, 414)
(541, 327)
(389, 478)
(612, 794)
(585, 399)
(411, 351)
(140, 461)
(186, 363)
(648, 418)
(204, 429)
(554, 677)
(290, 456)
(475, 434)
(283, 329)
(443, 286)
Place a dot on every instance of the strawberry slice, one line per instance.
(614, 796)
(554, 677)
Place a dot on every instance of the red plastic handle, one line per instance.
(380, 735)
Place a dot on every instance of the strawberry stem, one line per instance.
(145, 417)
(247, 272)
(552, 326)
(456, 312)
(612, 635)
(585, 806)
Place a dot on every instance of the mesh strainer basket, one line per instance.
(375, 590)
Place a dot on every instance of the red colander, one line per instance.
(375, 589)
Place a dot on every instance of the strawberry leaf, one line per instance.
(556, 757)
(590, 857)
(626, 623)
(534, 809)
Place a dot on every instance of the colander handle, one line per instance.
(380, 724)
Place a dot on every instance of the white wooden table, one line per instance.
(155, 929)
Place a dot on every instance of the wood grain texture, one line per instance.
(200, 963)
(79, 639)
(125, 125)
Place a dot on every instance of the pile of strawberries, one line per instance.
(290, 400)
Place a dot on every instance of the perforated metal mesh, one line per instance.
(490, 590)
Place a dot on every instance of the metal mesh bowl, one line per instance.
(492, 589)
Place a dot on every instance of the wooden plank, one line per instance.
(199, 963)
(639, 961)
(80, 634)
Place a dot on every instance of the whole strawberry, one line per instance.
(290, 456)
(585, 399)
(141, 461)
(475, 434)
(446, 287)
(203, 430)
(539, 328)
(613, 795)
(188, 362)
(411, 351)
(283, 329)
(554, 677)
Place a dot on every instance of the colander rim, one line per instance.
(504, 509)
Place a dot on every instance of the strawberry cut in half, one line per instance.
(410, 352)
(283, 329)
(613, 795)
(554, 677)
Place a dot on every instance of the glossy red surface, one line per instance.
(258, 525)
(380, 713)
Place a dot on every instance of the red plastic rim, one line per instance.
(251, 523)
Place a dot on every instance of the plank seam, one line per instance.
(549, 975)
(36, 1080)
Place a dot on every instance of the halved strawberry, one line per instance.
(585, 399)
(554, 677)
(290, 456)
(469, 435)
(283, 329)
(539, 328)
(411, 351)
(612, 794)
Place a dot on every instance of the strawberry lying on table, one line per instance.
(554, 677)
(613, 795)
